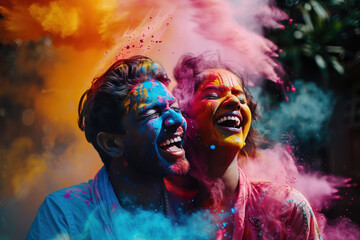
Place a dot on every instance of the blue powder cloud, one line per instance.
(143, 224)
(305, 115)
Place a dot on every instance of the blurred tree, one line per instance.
(321, 36)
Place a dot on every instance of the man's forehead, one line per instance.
(150, 92)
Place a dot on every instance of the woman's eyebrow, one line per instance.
(218, 88)
(238, 91)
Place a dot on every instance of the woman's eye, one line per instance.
(242, 99)
(212, 96)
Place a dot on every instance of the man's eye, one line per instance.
(176, 109)
(151, 113)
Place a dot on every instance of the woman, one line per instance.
(219, 111)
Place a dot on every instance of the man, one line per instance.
(135, 124)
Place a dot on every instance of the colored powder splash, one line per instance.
(279, 165)
(136, 225)
(305, 115)
(238, 26)
(123, 29)
(73, 42)
(96, 23)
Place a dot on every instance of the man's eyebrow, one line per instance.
(173, 101)
(145, 106)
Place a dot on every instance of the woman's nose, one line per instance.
(232, 102)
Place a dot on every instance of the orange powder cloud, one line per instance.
(89, 24)
(71, 54)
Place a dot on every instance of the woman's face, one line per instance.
(219, 110)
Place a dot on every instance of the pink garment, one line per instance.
(266, 210)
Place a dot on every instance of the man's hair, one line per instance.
(186, 74)
(101, 107)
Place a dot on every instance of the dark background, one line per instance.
(321, 45)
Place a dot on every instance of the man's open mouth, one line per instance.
(171, 148)
(230, 121)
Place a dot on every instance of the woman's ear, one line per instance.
(110, 143)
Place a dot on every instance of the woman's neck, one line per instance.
(219, 164)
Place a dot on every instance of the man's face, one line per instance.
(154, 130)
(220, 110)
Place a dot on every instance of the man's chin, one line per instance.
(180, 167)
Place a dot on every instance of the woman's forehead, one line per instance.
(219, 77)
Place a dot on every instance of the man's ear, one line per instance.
(112, 144)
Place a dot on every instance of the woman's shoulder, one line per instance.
(286, 204)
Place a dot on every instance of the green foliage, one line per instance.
(325, 34)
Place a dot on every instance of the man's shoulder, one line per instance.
(69, 201)
(62, 213)
(80, 193)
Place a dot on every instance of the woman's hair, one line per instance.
(186, 74)
(101, 107)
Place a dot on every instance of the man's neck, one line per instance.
(135, 190)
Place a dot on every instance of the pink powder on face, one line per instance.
(160, 99)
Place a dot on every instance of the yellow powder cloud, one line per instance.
(56, 18)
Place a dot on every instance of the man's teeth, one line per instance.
(234, 118)
(169, 141)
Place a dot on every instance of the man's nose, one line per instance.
(232, 102)
(173, 120)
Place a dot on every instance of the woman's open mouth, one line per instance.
(231, 121)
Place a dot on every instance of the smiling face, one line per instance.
(155, 128)
(220, 110)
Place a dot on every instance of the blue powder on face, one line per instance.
(212, 146)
